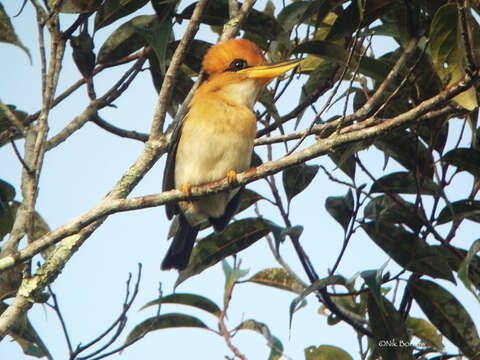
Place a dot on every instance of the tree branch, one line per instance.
(113, 203)
(170, 76)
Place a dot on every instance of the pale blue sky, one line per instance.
(79, 172)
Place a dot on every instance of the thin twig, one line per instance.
(119, 323)
(129, 134)
(19, 157)
(56, 308)
(223, 329)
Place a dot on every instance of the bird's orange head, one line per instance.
(232, 55)
(238, 67)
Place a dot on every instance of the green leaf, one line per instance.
(278, 278)
(6, 125)
(257, 22)
(341, 208)
(83, 56)
(249, 197)
(349, 19)
(166, 321)
(454, 257)
(408, 250)
(7, 33)
(182, 86)
(273, 342)
(76, 6)
(405, 183)
(292, 14)
(125, 40)
(373, 279)
(7, 192)
(232, 275)
(280, 233)
(316, 286)
(197, 301)
(425, 331)
(7, 218)
(384, 208)
(25, 335)
(195, 53)
(326, 352)
(406, 148)
(157, 37)
(237, 236)
(463, 209)
(376, 69)
(448, 53)
(344, 158)
(389, 331)
(464, 267)
(112, 10)
(40, 227)
(465, 160)
(297, 178)
(447, 314)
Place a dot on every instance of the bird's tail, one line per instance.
(178, 254)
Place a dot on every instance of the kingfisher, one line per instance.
(215, 140)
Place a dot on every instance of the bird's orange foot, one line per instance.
(187, 189)
(232, 176)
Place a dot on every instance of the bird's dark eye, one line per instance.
(237, 64)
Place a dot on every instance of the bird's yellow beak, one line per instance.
(270, 71)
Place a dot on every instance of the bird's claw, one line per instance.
(231, 176)
(187, 189)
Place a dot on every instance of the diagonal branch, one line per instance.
(170, 76)
(111, 205)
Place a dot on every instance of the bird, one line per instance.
(215, 140)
